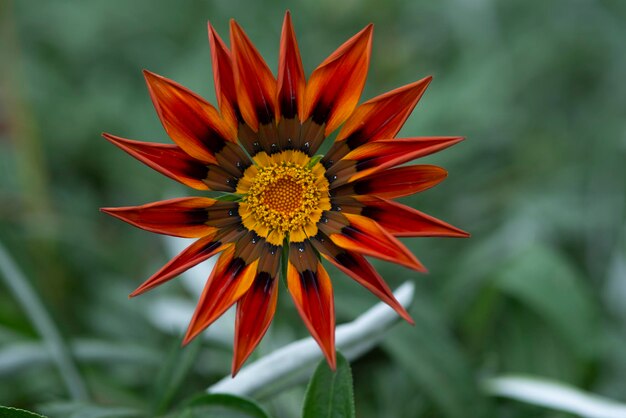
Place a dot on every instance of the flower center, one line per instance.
(282, 196)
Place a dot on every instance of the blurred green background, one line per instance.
(537, 87)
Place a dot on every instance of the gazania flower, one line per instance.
(284, 208)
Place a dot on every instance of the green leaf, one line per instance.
(87, 410)
(222, 406)
(173, 373)
(543, 281)
(435, 363)
(284, 260)
(330, 394)
(8, 412)
(314, 160)
(229, 197)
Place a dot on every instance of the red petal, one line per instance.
(230, 279)
(223, 77)
(191, 122)
(255, 84)
(381, 154)
(255, 311)
(334, 88)
(196, 253)
(395, 182)
(403, 221)
(365, 236)
(169, 160)
(291, 81)
(312, 294)
(382, 116)
(358, 268)
(186, 217)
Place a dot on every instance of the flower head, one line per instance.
(282, 203)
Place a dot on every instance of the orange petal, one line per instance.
(381, 154)
(223, 78)
(403, 221)
(334, 88)
(191, 122)
(365, 236)
(185, 217)
(255, 311)
(312, 294)
(395, 182)
(382, 116)
(358, 268)
(291, 81)
(196, 253)
(255, 84)
(229, 281)
(169, 160)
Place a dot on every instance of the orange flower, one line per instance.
(283, 205)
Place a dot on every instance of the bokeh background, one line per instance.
(537, 87)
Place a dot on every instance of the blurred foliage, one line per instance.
(536, 87)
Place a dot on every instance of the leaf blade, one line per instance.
(338, 402)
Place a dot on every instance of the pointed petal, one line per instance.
(185, 217)
(255, 311)
(358, 268)
(382, 116)
(256, 308)
(191, 122)
(381, 154)
(395, 182)
(398, 219)
(312, 293)
(291, 79)
(255, 84)
(223, 78)
(334, 88)
(229, 281)
(365, 236)
(169, 160)
(196, 253)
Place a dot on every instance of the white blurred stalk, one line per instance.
(295, 362)
(555, 395)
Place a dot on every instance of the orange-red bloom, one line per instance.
(281, 201)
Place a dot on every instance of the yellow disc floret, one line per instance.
(282, 196)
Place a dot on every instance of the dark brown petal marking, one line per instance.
(311, 137)
(169, 160)
(192, 123)
(356, 266)
(230, 280)
(233, 159)
(223, 214)
(392, 183)
(254, 82)
(219, 180)
(289, 133)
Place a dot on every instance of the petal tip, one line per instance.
(186, 340)
(148, 74)
(137, 292)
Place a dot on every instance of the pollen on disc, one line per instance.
(284, 196)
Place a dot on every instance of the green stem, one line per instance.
(34, 309)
